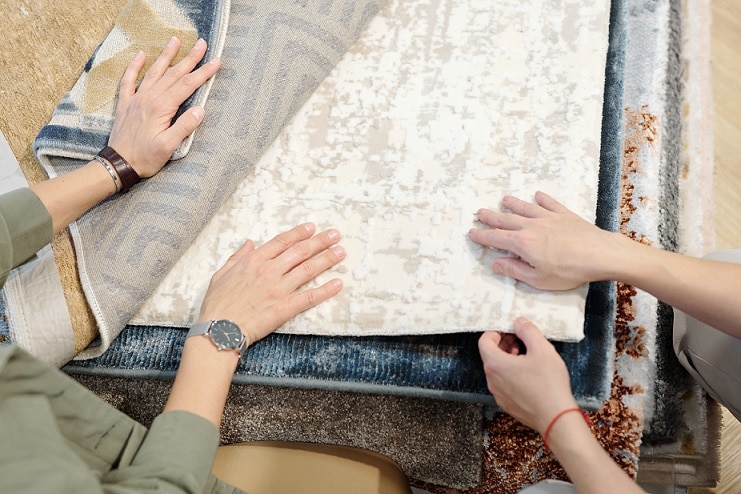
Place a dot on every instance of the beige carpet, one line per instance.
(47, 45)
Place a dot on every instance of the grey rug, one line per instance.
(435, 440)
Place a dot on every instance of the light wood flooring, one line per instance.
(726, 73)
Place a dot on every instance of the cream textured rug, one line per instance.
(440, 108)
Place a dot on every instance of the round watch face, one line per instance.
(226, 334)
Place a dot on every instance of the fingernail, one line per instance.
(198, 113)
(172, 41)
(200, 43)
(336, 283)
(338, 251)
(214, 61)
(138, 55)
(309, 227)
(497, 268)
(333, 234)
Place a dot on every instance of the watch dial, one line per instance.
(226, 334)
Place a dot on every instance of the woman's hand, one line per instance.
(556, 249)
(532, 387)
(258, 288)
(143, 132)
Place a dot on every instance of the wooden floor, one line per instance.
(726, 72)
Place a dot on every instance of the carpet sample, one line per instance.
(294, 43)
(445, 446)
(682, 439)
(619, 423)
(440, 108)
(41, 28)
(82, 121)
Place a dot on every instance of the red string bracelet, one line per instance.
(558, 416)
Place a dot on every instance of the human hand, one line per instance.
(143, 132)
(257, 288)
(556, 248)
(533, 387)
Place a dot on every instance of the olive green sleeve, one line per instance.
(25, 227)
(57, 436)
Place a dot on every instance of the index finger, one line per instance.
(489, 347)
(188, 83)
(127, 86)
(499, 239)
(523, 208)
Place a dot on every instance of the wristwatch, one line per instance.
(225, 334)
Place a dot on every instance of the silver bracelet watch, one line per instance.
(225, 334)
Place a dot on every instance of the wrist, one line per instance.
(201, 349)
(566, 415)
(610, 255)
(225, 335)
(119, 168)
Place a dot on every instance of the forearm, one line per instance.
(68, 196)
(706, 290)
(203, 379)
(588, 466)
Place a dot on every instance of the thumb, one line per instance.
(185, 124)
(528, 333)
(489, 344)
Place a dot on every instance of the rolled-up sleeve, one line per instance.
(25, 227)
(175, 456)
(57, 436)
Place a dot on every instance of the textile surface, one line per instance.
(619, 422)
(295, 44)
(443, 366)
(683, 433)
(444, 447)
(440, 108)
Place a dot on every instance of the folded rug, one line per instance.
(440, 108)
(277, 55)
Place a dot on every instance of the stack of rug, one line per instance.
(437, 441)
